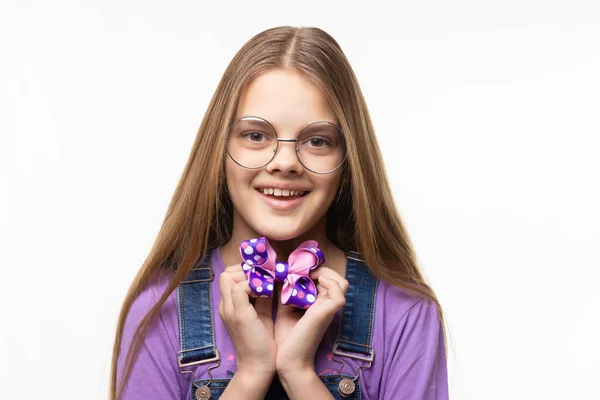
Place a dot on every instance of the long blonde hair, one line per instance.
(363, 218)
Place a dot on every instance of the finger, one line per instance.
(286, 320)
(240, 276)
(321, 291)
(331, 274)
(221, 309)
(284, 310)
(243, 311)
(328, 272)
(264, 309)
(240, 299)
(230, 276)
(334, 291)
(237, 275)
(225, 283)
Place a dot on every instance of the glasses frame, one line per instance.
(251, 117)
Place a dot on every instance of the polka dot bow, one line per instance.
(262, 270)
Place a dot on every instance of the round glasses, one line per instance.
(252, 142)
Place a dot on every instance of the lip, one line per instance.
(282, 187)
(279, 203)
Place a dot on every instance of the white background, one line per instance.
(487, 114)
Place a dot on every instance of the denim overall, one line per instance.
(197, 334)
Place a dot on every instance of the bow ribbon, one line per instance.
(262, 270)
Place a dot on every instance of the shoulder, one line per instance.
(164, 327)
(407, 327)
(396, 310)
(408, 336)
(412, 341)
(148, 298)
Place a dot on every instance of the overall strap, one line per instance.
(196, 332)
(356, 328)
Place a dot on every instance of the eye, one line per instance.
(256, 137)
(317, 142)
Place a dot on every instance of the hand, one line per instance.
(250, 327)
(298, 334)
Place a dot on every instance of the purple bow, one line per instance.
(262, 270)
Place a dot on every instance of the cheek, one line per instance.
(238, 180)
(329, 186)
(332, 183)
(229, 169)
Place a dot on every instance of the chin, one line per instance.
(280, 232)
(279, 235)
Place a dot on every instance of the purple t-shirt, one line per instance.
(408, 339)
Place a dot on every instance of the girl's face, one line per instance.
(289, 102)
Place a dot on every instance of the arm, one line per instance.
(304, 385)
(299, 336)
(415, 366)
(251, 331)
(246, 386)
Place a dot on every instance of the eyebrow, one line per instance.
(257, 122)
(262, 123)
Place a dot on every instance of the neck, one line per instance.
(283, 248)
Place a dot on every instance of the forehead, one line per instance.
(285, 98)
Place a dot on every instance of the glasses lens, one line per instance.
(321, 147)
(251, 142)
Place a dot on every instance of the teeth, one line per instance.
(282, 192)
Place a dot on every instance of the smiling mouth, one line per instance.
(282, 194)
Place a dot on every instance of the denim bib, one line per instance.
(197, 340)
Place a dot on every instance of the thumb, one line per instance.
(282, 309)
(264, 310)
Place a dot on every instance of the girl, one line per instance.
(285, 155)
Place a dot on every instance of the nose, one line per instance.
(286, 159)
